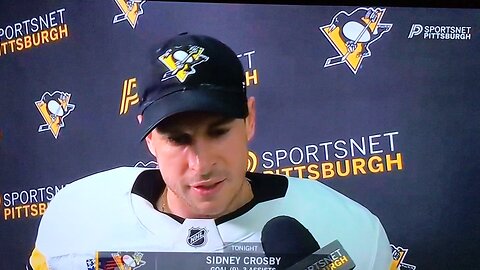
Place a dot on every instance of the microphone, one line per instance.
(287, 238)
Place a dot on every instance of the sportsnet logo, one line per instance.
(440, 32)
(34, 32)
(342, 157)
(252, 161)
(26, 204)
(129, 96)
(351, 34)
(251, 73)
(131, 10)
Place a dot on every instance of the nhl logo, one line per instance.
(197, 237)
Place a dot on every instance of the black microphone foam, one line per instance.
(286, 237)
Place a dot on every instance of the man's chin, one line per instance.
(208, 211)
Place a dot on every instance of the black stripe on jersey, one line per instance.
(149, 185)
(265, 187)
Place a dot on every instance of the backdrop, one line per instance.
(380, 103)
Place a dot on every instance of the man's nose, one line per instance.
(202, 158)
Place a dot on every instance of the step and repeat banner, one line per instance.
(379, 103)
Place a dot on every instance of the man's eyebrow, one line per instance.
(221, 121)
(173, 129)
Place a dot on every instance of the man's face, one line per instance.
(202, 158)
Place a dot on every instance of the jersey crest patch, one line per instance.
(197, 237)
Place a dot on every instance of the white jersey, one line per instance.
(114, 211)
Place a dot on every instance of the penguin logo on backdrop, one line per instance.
(352, 33)
(131, 10)
(181, 61)
(197, 237)
(399, 254)
(54, 108)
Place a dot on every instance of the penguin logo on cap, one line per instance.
(352, 33)
(180, 61)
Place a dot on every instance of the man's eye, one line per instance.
(180, 139)
(218, 132)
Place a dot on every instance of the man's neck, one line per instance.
(168, 203)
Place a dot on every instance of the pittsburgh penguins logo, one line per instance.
(352, 33)
(54, 108)
(197, 237)
(131, 10)
(181, 61)
(121, 260)
(399, 254)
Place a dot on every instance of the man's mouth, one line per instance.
(208, 187)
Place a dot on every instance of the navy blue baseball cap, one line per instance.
(193, 73)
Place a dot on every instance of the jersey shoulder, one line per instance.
(331, 215)
(314, 202)
(319, 197)
(117, 179)
(83, 208)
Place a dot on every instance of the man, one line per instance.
(196, 120)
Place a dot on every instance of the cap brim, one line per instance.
(225, 102)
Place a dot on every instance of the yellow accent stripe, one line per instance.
(38, 261)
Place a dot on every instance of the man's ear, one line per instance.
(251, 118)
(149, 140)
